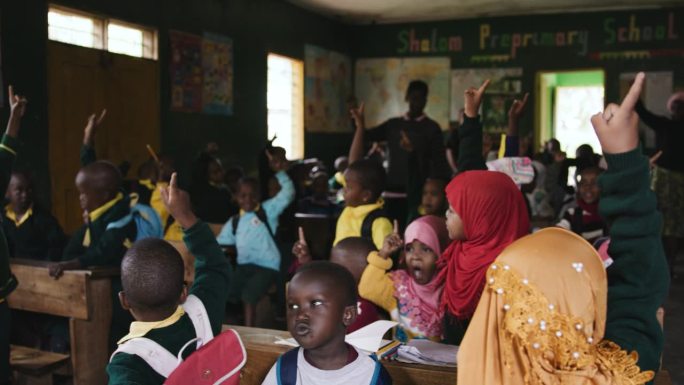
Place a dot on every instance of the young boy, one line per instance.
(351, 253)
(8, 151)
(94, 244)
(321, 304)
(584, 219)
(363, 216)
(154, 292)
(31, 231)
(252, 232)
(638, 279)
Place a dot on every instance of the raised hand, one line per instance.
(617, 126)
(518, 107)
(94, 122)
(358, 116)
(17, 108)
(301, 249)
(392, 243)
(177, 202)
(473, 99)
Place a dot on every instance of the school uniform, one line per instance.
(36, 235)
(94, 245)
(8, 151)
(638, 278)
(351, 220)
(212, 274)
(258, 257)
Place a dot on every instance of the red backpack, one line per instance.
(217, 360)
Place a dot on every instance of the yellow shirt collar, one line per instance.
(147, 183)
(13, 216)
(93, 215)
(363, 210)
(140, 329)
(243, 212)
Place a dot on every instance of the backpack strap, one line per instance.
(367, 225)
(286, 367)
(380, 375)
(577, 225)
(234, 222)
(261, 214)
(195, 309)
(158, 358)
(123, 222)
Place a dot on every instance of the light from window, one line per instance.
(73, 28)
(124, 40)
(285, 103)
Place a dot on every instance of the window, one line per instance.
(285, 103)
(92, 31)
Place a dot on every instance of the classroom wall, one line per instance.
(617, 42)
(256, 27)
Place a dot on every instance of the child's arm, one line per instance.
(226, 236)
(88, 155)
(376, 284)
(10, 141)
(638, 279)
(381, 228)
(301, 250)
(655, 122)
(510, 145)
(212, 270)
(276, 205)
(361, 134)
(470, 133)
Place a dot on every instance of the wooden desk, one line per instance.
(262, 353)
(84, 296)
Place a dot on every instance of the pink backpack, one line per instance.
(217, 360)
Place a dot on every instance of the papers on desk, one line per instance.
(368, 338)
(428, 352)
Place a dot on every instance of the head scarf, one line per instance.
(422, 302)
(494, 214)
(541, 319)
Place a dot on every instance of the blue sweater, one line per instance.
(252, 240)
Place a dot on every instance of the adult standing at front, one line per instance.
(415, 145)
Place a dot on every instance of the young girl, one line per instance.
(486, 213)
(410, 295)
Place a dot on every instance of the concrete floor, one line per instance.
(673, 355)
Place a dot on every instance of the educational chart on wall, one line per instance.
(186, 72)
(217, 66)
(327, 90)
(381, 85)
(505, 84)
(657, 90)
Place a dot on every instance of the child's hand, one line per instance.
(55, 270)
(517, 108)
(357, 115)
(91, 127)
(177, 202)
(405, 142)
(473, 99)
(277, 161)
(617, 127)
(392, 243)
(654, 159)
(301, 249)
(17, 107)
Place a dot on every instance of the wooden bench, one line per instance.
(33, 366)
(83, 296)
(262, 353)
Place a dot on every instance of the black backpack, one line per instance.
(261, 214)
(367, 225)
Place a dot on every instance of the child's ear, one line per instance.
(124, 301)
(184, 294)
(366, 195)
(349, 315)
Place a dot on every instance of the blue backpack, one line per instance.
(147, 222)
(286, 370)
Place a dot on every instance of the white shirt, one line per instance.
(358, 372)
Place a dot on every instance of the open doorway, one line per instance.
(567, 101)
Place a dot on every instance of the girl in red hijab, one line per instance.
(486, 213)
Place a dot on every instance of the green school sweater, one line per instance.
(638, 279)
(39, 237)
(470, 145)
(212, 274)
(87, 155)
(8, 152)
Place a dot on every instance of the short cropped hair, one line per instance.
(335, 275)
(371, 176)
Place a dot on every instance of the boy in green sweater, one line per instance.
(153, 290)
(638, 279)
(8, 151)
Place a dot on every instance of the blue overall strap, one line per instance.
(120, 223)
(380, 375)
(286, 368)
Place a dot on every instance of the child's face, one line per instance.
(19, 193)
(317, 316)
(89, 198)
(354, 194)
(247, 197)
(433, 198)
(588, 187)
(454, 225)
(215, 173)
(420, 262)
